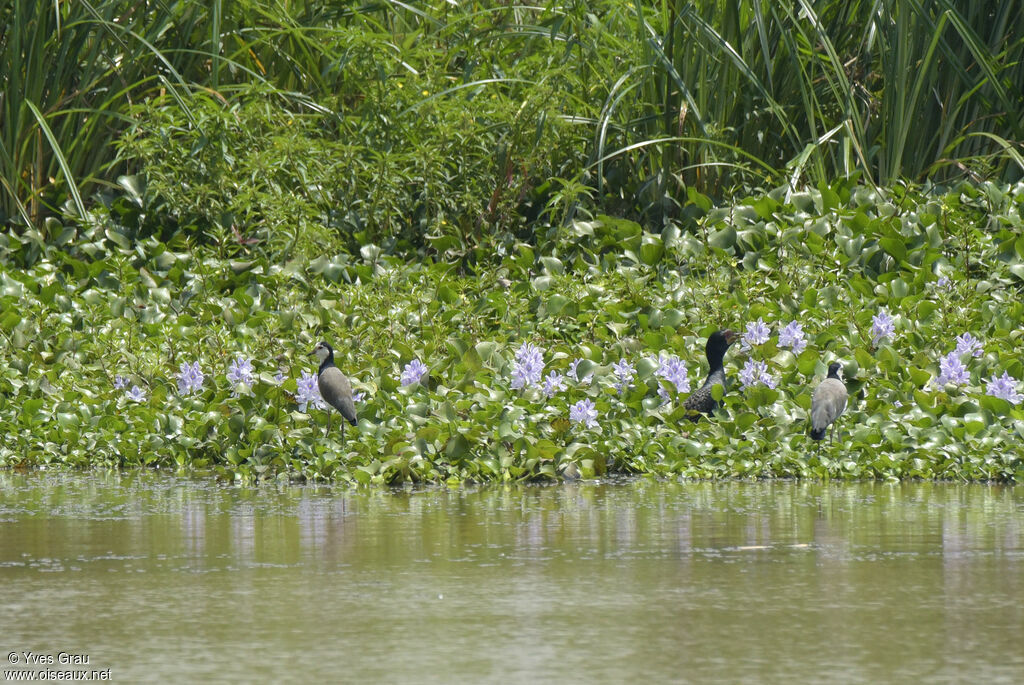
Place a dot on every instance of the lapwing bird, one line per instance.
(334, 386)
(702, 400)
(827, 403)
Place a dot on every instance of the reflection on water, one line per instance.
(158, 577)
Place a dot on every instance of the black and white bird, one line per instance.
(334, 386)
(827, 403)
(702, 400)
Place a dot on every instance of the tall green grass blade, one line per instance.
(69, 177)
(216, 10)
(1012, 150)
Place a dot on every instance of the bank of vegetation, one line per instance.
(224, 184)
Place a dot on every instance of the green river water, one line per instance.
(156, 578)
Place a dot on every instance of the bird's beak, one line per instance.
(730, 336)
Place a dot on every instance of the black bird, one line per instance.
(334, 386)
(827, 403)
(701, 400)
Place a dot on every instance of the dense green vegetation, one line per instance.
(387, 118)
(602, 290)
(203, 182)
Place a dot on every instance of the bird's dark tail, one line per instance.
(818, 434)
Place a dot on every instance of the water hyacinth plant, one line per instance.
(413, 372)
(554, 383)
(967, 344)
(527, 367)
(883, 327)
(136, 394)
(308, 392)
(672, 369)
(190, 378)
(624, 371)
(952, 370)
(756, 372)
(584, 412)
(470, 425)
(757, 333)
(240, 372)
(1004, 387)
(792, 336)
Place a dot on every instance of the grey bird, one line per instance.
(334, 386)
(702, 400)
(827, 403)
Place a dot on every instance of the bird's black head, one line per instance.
(323, 351)
(833, 369)
(719, 341)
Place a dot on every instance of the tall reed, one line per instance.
(678, 95)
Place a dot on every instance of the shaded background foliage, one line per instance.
(467, 122)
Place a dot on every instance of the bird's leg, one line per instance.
(328, 422)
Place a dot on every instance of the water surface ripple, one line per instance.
(162, 578)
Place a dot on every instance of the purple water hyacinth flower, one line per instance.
(664, 395)
(190, 378)
(754, 372)
(553, 384)
(792, 336)
(757, 334)
(240, 372)
(943, 282)
(952, 370)
(528, 367)
(624, 371)
(413, 372)
(529, 353)
(968, 344)
(120, 382)
(136, 393)
(308, 392)
(672, 369)
(1004, 387)
(520, 378)
(749, 374)
(882, 326)
(279, 377)
(584, 412)
(358, 396)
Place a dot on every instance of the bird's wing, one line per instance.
(337, 391)
(827, 402)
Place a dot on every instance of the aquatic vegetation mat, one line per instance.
(569, 357)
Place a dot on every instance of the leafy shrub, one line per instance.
(392, 162)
